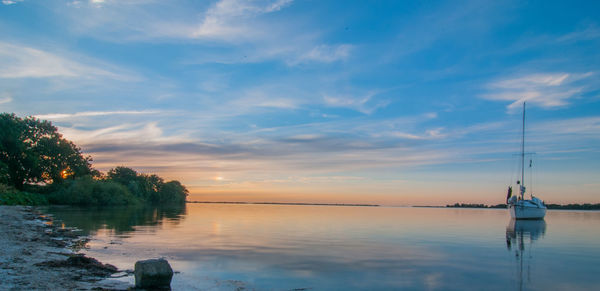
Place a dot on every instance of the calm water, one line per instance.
(280, 247)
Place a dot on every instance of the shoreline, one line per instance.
(39, 255)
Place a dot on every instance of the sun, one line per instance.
(219, 178)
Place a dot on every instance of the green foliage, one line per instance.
(12, 196)
(122, 186)
(35, 157)
(122, 175)
(87, 191)
(32, 151)
(172, 192)
(148, 188)
(467, 205)
(585, 206)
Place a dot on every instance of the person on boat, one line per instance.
(508, 194)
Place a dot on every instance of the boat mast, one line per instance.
(522, 188)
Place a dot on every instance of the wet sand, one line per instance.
(35, 254)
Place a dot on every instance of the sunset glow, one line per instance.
(394, 103)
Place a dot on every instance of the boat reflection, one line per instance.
(518, 231)
(521, 234)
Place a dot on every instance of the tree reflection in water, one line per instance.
(120, 220)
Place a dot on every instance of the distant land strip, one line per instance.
(585, 206)
(283, 203)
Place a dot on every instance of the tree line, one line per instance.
(37, 162)
(585, 206)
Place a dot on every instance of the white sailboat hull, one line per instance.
(524, 210)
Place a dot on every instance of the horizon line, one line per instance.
(284, 203)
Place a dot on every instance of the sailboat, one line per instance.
(519, 207)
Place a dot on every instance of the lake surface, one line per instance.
(287, 247)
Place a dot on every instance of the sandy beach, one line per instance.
(36, 254)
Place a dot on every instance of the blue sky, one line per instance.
(392, 102)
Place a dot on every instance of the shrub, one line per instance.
(89, 192)
(173, 192)
(11, 196)
(149, 188)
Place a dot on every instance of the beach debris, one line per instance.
(153, 273)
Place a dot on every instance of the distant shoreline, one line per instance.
(282, 203)
(585, 206)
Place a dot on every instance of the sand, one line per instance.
(33, 253)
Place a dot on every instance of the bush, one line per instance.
(89, 192)
(11, 196)
(149, 188)
(172, 192)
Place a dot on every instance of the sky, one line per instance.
(383, 102)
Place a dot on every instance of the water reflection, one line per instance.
(283, 247)
(117, 220)
(522, 234)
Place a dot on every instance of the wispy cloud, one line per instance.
(582, 126)
(20, 61)
(119, 134)
(55, 116)
(365, 104)
(224, 20)
(588, 33)
(435, 133)
(543, 89)
(312, 148)
(324, 54)
(229, 19)
(5, 98)
(248, 31)
(270, 96)
(11, 2)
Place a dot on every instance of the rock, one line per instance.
(154, 273)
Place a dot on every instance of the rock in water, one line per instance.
(154, 273)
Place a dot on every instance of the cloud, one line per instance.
(244, 31)
(266, 97)
(5, 98)
(55, 116)
(589, 33)
(11, 2)
(26, 62)
(143, 20)
(325, 54)
(435, 133)
(228, 19)
(544, 89)
(132, 134)
(582, 126)
(365, 104)
(313, 148)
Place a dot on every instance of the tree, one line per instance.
(149, 188)
(32, 150)
(151, 185)
(62, 159)
(173, 192)
(122, 175)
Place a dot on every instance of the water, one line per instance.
(285, 247)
